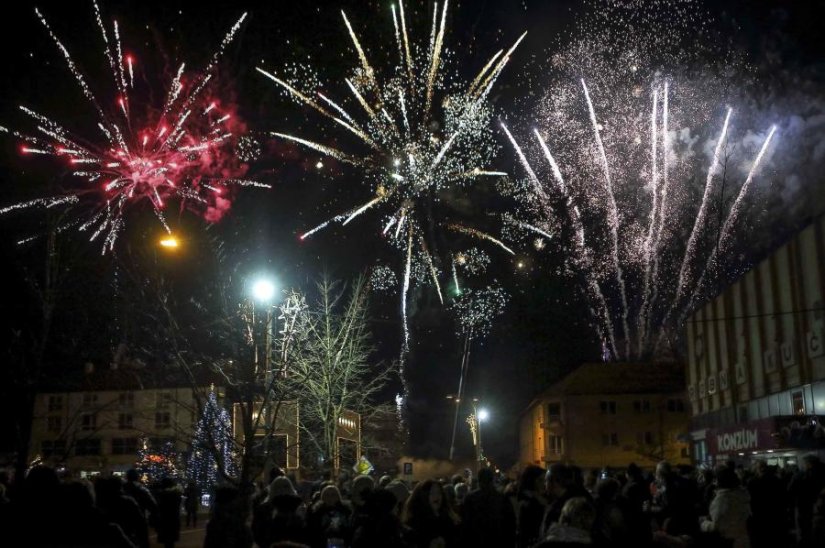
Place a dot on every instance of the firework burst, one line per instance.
(420, 132)
(626, 135)
(179, 150)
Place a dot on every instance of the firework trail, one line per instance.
(629, 113)
(582, 253)
(721, 247)
(419, 132)
(613, 217)
(182, 154)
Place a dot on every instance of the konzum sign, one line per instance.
(739, 440)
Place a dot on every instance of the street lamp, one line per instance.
(482, 415)
(475, 420)
(263, 290)
(169, 242)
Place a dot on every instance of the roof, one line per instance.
(126, 378)
(620, 378)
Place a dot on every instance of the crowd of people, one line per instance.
(563, 506)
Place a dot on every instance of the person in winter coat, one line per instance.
(328, 519)
(487, 517)
(192, 503)
(769, 505)
(574, 525)
(429, 520)
(281, 516)
(169, 500)
(729, 510)
(224, 529)
(531, 506)
(123, 510)
(135, 489)
(380, 526)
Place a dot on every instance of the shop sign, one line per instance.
(746, 438)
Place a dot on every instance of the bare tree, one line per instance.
(334, 366)
(210, 330)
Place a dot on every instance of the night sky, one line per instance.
(544, 331)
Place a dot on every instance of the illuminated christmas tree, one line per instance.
(211, 446)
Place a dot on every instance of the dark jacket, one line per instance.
(530, 514)
(277, 519)
(487, 519)
(168, 517)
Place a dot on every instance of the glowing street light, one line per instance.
(169, 242)
(263, 290)
(483, 415)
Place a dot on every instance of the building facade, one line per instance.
(608, 415)
(756, 359)
(92, 431)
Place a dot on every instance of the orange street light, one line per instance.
(169, 242)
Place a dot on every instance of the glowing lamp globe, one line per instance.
(263, 290)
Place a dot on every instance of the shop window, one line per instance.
(797, 403)
(742, 413)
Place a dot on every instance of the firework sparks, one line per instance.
(618, 188)
(183, 154)
(421, 133)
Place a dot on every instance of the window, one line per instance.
(641, 406)
(89, 400)
(556, 445)
(54, 424)
(124, 446)
(87, 447)
(164, 399)
(675, 406)
(742, 414)
(163, 420)
(608, 407)
(125, 421)
(645, 438)
(797, 403)
(126, 399)
(88, 421)
(53, 448)
(55, 403)
(554, 411)
(610, 439)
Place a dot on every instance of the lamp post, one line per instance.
(481, 415)
(474, 421)
(263, 292)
